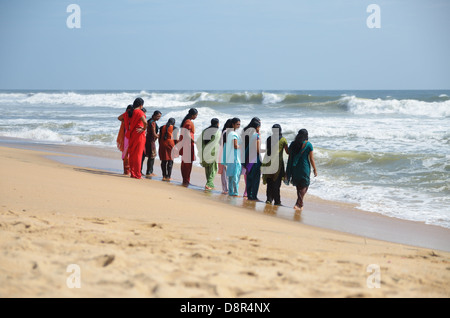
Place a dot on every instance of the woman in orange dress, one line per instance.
(136, 136)
(166, 144)
(187, 131)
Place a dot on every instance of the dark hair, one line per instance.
(170, 122)
(138, 102)
(144, 110)
(269, 139)
(254, 123)
(297, 144)
(156, 112)
(234, 121)
(190, 114)
(227, 124)
(225, 127)
(214, 123)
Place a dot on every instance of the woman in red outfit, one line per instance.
(136, 136)
(187, 131)
(166, 144)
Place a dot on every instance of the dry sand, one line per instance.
(148, 238)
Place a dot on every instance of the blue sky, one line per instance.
(225, 45)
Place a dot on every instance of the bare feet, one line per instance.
(298, 209)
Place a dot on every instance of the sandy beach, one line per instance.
(148, 238)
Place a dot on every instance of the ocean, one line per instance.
(385, 151)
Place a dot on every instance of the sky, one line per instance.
(225, 45)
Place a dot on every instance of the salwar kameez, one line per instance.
(253, 179)
(186, 159)
(136, 143)
(274, 180)
(150, 146)
(166, 144)
(233, 164)
(208, 148)
(253, 168)
(298, 171)
(222, 165)
(122, 142)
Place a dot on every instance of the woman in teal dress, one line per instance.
(299, 164)
(233, 158)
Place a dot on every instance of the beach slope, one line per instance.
(64, 227)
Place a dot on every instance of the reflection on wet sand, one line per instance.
(283, 211)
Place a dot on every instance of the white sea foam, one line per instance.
(363, 106)
(40, 134)
(391, 201)
(272, 98)
(113, 100)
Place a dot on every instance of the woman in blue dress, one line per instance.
(299, 164)
(252, 159)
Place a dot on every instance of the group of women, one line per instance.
(226, 152)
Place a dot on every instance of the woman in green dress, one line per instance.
(273, 164)
(298, 169)
(208, 146)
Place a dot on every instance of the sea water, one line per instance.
(385, 151)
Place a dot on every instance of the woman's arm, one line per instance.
(141, 130)
(313, 163)
(120, 117)
(236, 146)
(153, 127)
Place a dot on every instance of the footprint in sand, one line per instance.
(153, 225)
(96, 220)
(105, 260)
